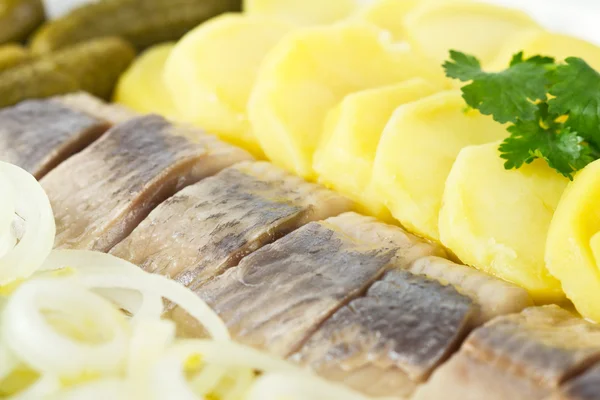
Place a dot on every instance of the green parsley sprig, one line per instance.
(553, 109)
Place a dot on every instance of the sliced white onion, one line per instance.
(7, 215)
(233, 354)
(9, 361)
(281, 385)
(102, 389)
(34, 340)
(135, 358)
(23, 195)
(149, 341)
(168, 379)
(94, 263)
(121, 276)
(43, 388)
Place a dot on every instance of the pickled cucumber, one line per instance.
(12, 55)
(18, 18)
(142, 22)
(94, 67)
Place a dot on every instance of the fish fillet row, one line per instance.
(209, 226)
(37, 135)
(287, 265)
(542, 353)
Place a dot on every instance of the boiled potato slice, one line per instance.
(142, 87)
(305, 12)
(471, 27)
(497, 220)
(556, 45)
(212, 70)
(573, 245)
(344, 159)
(389, 15)
(308, 73)
(416, 152)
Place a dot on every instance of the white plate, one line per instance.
(575, 17)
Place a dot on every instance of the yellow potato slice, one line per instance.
(573, 245)
(471, 27)
(416, 152)
(305, 12)
(497, 220)
(308, 73)
(556, 45)
(142, 87)
(212, 70)
(389, 15)
(344, 159)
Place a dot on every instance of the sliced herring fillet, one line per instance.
(584, 387)
(277, 296)
(538, 349)
(37, 135)
(494, 296)
(91, 105)
(465, 377)
(101, 194)
(388, 341)
(209, 226)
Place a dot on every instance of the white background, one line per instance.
(576, 17)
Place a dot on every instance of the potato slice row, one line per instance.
(362, 106)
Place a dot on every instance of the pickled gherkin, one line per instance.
(19, 18)
(142, 22)
(12, 55)
(94, 67)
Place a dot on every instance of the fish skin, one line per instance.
(388, 341)
(547, 344)
(37, 135)
(279, 295)
(583, 387)
(493, 296)
(524, 356)
(465, 377)
(96, 107)
(101, 194)
(209, 226)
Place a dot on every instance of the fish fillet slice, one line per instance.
(101, 194)
(91, 105)
(388, 341)
(584, 387)
(520, 356)
(376, 343)
(465, 377)
(494, 296)
(277, 296)
(37, 135)
(209, 226)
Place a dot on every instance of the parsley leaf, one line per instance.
(576, 87)
(562, 148)
(508, 95)
(539, 60)
(553, 108)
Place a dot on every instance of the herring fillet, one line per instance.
(373, 344)
(583, 387)
(465, 377)
(209, 226)
(96, 107)
(525, 356)
(101, 194)
(493, 296)
(388, 341)
(277, 296)
(37, 135)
